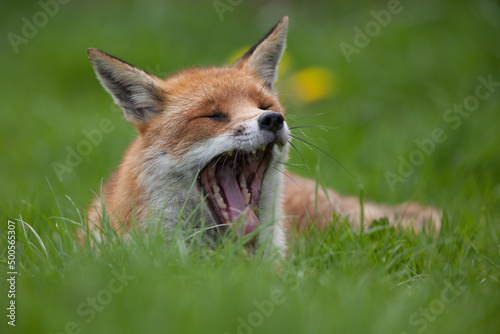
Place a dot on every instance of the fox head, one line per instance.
(215, 136)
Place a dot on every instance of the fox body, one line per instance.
(211, 148)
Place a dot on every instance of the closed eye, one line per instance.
(217, 117)
(265, 107)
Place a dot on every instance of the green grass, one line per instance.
(394, 92)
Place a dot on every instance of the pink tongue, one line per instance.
(237, 202)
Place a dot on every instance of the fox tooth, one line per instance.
(246, 196)
(243, 182)
(220, 201)
(216, 188)
(225, 215)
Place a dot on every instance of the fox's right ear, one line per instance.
(139, 94)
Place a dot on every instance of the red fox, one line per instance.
(214, 141)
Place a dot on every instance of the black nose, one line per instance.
(271, 121)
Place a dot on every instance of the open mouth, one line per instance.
(232, 182)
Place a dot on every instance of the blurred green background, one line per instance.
(392, 92)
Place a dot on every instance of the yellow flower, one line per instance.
(313, 83)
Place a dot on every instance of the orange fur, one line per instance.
(178, 137)
(178, 129)
(199, 92)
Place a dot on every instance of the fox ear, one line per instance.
(264, 57)
(138, 93)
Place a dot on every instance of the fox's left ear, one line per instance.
(264, 57)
